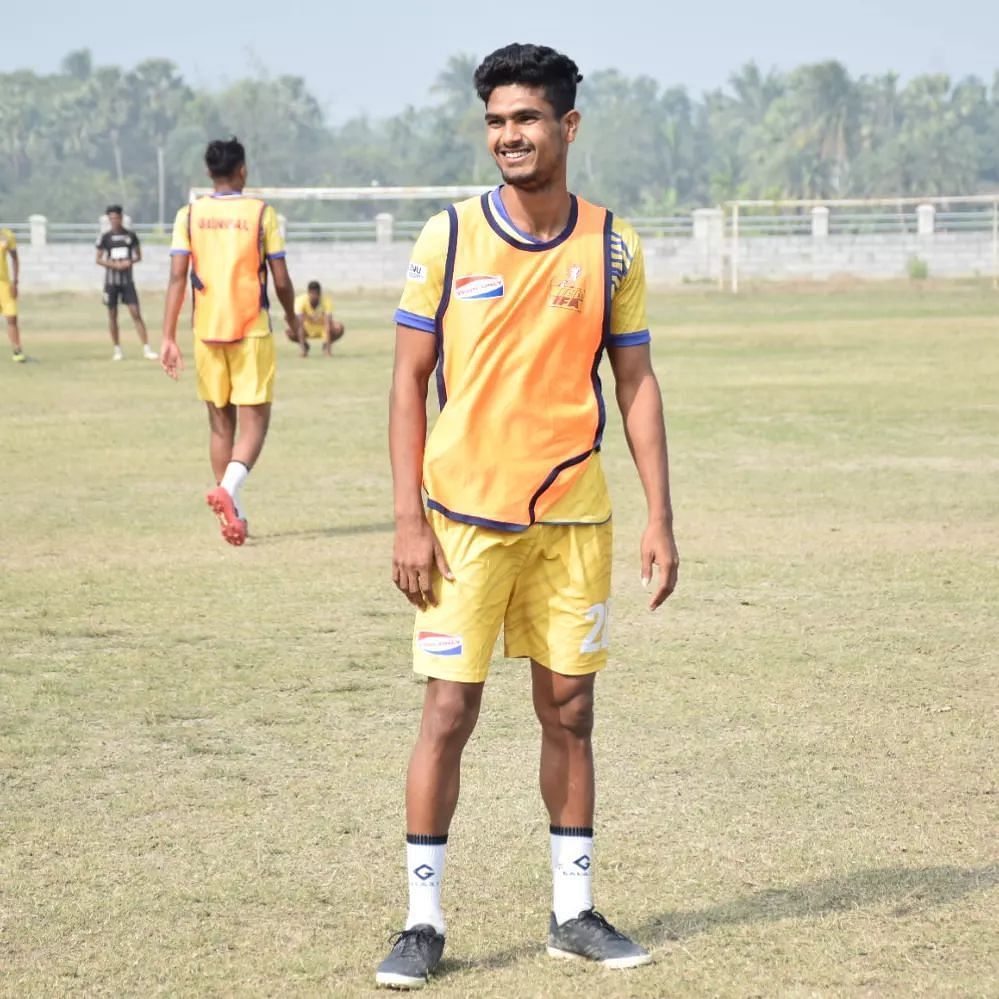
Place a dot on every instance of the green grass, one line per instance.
(202, 749)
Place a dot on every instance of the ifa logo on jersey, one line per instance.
(436, 644)
(570, 291)
(478, 287)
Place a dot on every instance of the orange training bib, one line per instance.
(520, 331)
(228, 272)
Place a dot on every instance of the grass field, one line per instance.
(202, 749)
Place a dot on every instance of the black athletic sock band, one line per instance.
(586, 831)
(418, 839)
(243, 463)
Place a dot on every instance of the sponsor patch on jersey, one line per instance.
(416, 272)
(476, 287)
(436, 644)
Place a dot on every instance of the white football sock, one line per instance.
(572, 871)
(235, 475)
(425, 866)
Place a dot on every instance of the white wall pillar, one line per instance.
(384, 225)
(925, 219)
(820, 222)
(709, 228)
(707, 224)
(39, 229)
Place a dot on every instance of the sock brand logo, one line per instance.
(583, 862)
(424, 872)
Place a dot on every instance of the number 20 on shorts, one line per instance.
(598, 638)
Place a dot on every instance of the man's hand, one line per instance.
(417, 553)
(659, 548)
(171, 359)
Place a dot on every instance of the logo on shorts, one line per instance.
(477, 287)
(416, 272)
(435, 644)
(424, 872)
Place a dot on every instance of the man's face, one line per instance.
(529, 143)
(115, 219)
(313, 297)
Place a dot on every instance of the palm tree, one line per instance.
(114, 112)
(162, 95)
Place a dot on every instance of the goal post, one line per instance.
(372, 193)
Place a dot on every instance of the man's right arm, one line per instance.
(417, 550)
(171, 358)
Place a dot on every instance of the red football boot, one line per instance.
(233, 527)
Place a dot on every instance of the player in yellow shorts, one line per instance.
(314, 315)
(510, 302)
(227, 241)
(8, 291)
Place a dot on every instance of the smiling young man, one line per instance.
(228, 240)
(512, 299)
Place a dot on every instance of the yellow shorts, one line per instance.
(240, 373)
(315, 331)
(8, 303)
(547, 587)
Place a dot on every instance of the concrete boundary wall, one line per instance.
(701, 258)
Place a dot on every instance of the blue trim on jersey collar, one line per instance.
(570, 227)
(500, 209)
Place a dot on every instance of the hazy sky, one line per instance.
(379, 55)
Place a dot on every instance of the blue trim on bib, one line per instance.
(452, 250)
(531, 247)
(464, 518)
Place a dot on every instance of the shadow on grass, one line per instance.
(343, 531)
(911, 891)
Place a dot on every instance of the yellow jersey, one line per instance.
(487, 244)
(8, 242)
(273, 249)
(314, 319)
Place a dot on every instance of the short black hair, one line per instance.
(224, 157)
(314, 286)
(113, 210)
(530, 66)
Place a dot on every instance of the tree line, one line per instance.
(72, 141)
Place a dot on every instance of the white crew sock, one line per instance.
(572, 871)
(235, 475)
(425, 866)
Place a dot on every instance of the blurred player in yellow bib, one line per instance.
(511, 301)
(314, 321)
(227, 241)
(8, 291)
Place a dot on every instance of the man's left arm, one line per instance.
(15, 271)
(640, 400)
(136, 251)
(641, 404)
